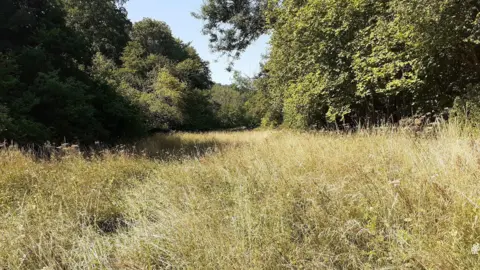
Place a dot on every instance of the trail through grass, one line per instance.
(248, 200)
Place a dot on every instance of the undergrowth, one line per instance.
(248, 200)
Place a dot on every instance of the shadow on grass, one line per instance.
(174, 147)
(164, 147)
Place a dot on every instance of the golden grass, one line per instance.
(248, 200)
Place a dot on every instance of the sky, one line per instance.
(177, 14)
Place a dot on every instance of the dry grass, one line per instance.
(249, 200)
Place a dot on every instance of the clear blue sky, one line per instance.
(177, 14)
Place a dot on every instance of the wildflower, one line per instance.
(475, 249)
(395, 182)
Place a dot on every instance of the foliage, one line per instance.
(358, 61)
(165, 77)
(103, 23)
(259, 105)
(466, 109)
(155, 37)
(255, 102)
(46, 94)
(241, 104)
(199, 111)
(233, 25)
(78, 71)
(165, 101)
(229, 102)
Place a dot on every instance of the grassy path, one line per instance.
(248, 200)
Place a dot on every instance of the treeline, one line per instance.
(355, 61)
(80, 71)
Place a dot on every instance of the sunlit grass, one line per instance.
(248, 200)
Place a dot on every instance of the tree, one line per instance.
(355, 61)
(233, 25)
(165, 102)
(163, 76)
(45, 94)
(155, 37)
(229, 106)
(103, 23)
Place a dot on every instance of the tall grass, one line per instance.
(248, 200)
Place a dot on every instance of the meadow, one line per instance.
(380, 199)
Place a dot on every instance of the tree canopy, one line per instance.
(233, 25)
(356, 61)
(103, 23)
(46, 93)
(80, 71)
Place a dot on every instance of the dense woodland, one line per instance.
(355, 61)
(81, 71)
